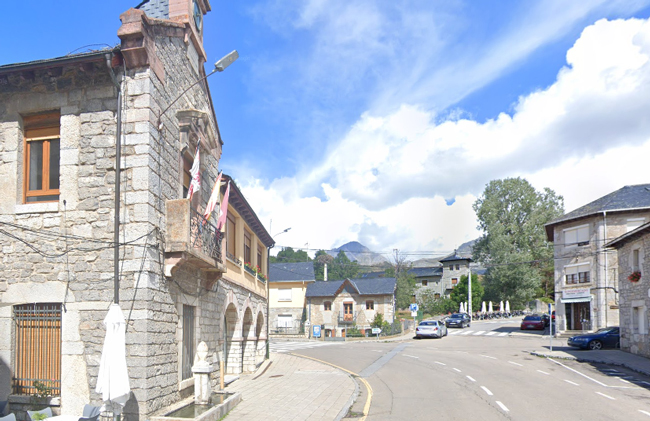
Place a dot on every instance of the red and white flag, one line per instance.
(224, 209)
(195, 172)
(214, 199)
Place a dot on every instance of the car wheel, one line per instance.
(595, 345)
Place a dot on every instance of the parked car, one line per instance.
(605, 337)
(431, 328)
(546, 319)
(533, 322)
(458, 320)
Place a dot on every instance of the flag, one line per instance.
(224, 209)
(214, 199)
(195, 172)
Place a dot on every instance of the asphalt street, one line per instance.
(485, 376)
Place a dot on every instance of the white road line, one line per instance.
(570, 382)
(480, 332)
(503, 334)
(645, 383)
(577, 372)
(467, 332)
(487, 356)
(439, 363)
(491, 333)
(544, 372)
(458, 370)
(376, 350)
(470, 378)
(514, 363)
(607, 396)
(613, 370)
(644, 412)
(487, 390)
(503, 406)
(624, 381)
(411, 356)
(455, 332)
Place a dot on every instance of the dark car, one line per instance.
(458, 320)
(431, 328)
(606, 337)
(533, 322)
(546, 319)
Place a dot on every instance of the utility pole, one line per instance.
(469, 292)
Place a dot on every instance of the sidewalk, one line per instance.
(293, 388)
(604, 356)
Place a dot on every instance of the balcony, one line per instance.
(191, 240)
(347, 319)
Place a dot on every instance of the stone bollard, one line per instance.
(201, 370)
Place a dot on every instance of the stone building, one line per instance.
(287, 287)
(453, 267)
(428, 280)
(59, 121)
(586, 273)
(634, 289)
(340, 305)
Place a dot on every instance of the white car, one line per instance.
(430, 328)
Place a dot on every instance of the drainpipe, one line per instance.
(605, 255)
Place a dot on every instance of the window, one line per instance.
(577, 274)
(457, 267)
(634, 223)
(636, 267)
(436, 295)
(38, 348)
(370, 305)
(425, 283)
(247, 246)
(576, 236)
(639, 319)
(454, 281)
(285, 321)
(451, 267)
(284, 294)
(187, 176)
(230, 236)
(188, 342)
(259, 257)
(327, 306)
(41, 150)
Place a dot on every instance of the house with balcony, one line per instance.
(586, 271)
(350, 303)
(287, 305)
(180, 279)
(633, 253)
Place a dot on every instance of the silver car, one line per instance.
(430, 328)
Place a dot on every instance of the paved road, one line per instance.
(487, 377)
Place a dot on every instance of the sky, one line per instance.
(383, 121)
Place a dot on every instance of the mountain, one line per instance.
(464, 249)
(359, 253)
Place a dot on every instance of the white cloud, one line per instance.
(385, 182)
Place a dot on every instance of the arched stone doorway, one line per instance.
(231, 340)
(260, 334)
(248, 348)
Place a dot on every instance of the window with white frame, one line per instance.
(285, 320)
(639, 318)
(576, 236)
(636, 266)
(577, 274)
(634, 223)
(284, 294)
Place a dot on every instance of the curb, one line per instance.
(590, 360)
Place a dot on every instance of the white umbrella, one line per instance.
(507, 306)
(113, 378)
(483, 307)
(462, 308)
(501, 307)
(490, 310)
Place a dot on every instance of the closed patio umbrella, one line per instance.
(501, 309)
(507, 306)
(490, 310)
(113, 378)
(483, 308)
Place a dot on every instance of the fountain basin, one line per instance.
(220, 404)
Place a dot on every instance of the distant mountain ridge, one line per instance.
(359, 253)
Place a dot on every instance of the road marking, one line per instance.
(411, 356)
(644, 412)
(612, 370)
(577, 372)
(458, 370)
(491, 333)
(607, 396)
(570, 382)
(454, 332)
(645, 383)
(514, 363)
(480, 332)
(544, 372)
(503, 406)
(487, 356)
(438, 362)
(376, 350)
(503, 334)
(487, 390)
(624, 381)
(467, 332)
(470, 378)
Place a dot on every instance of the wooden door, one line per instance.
(347, 312)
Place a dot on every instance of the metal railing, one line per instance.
(347, 318)
(204, 236)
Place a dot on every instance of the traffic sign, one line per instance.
(376, 331)
(413, 307)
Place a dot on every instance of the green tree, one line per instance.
(512, 214)
(405, 289)
(289, 255)
(431, 304)
(322, 258)
(342, 267)
(459, 293)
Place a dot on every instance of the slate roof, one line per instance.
(430, 271)
(292, 272)
(373, 274)
(371, 286)
(454, 257)
(625, 199)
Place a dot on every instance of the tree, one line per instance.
(512, 214)
(459, 293)
(431, 304)
(343, 268)
(322, 258)
(288, 255)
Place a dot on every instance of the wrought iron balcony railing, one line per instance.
(347, 318)
(204, 236)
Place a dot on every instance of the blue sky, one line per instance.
(382, 121)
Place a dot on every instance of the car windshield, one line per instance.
(428, 323)
(607, 330)
(456, 316)
(537, 318)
